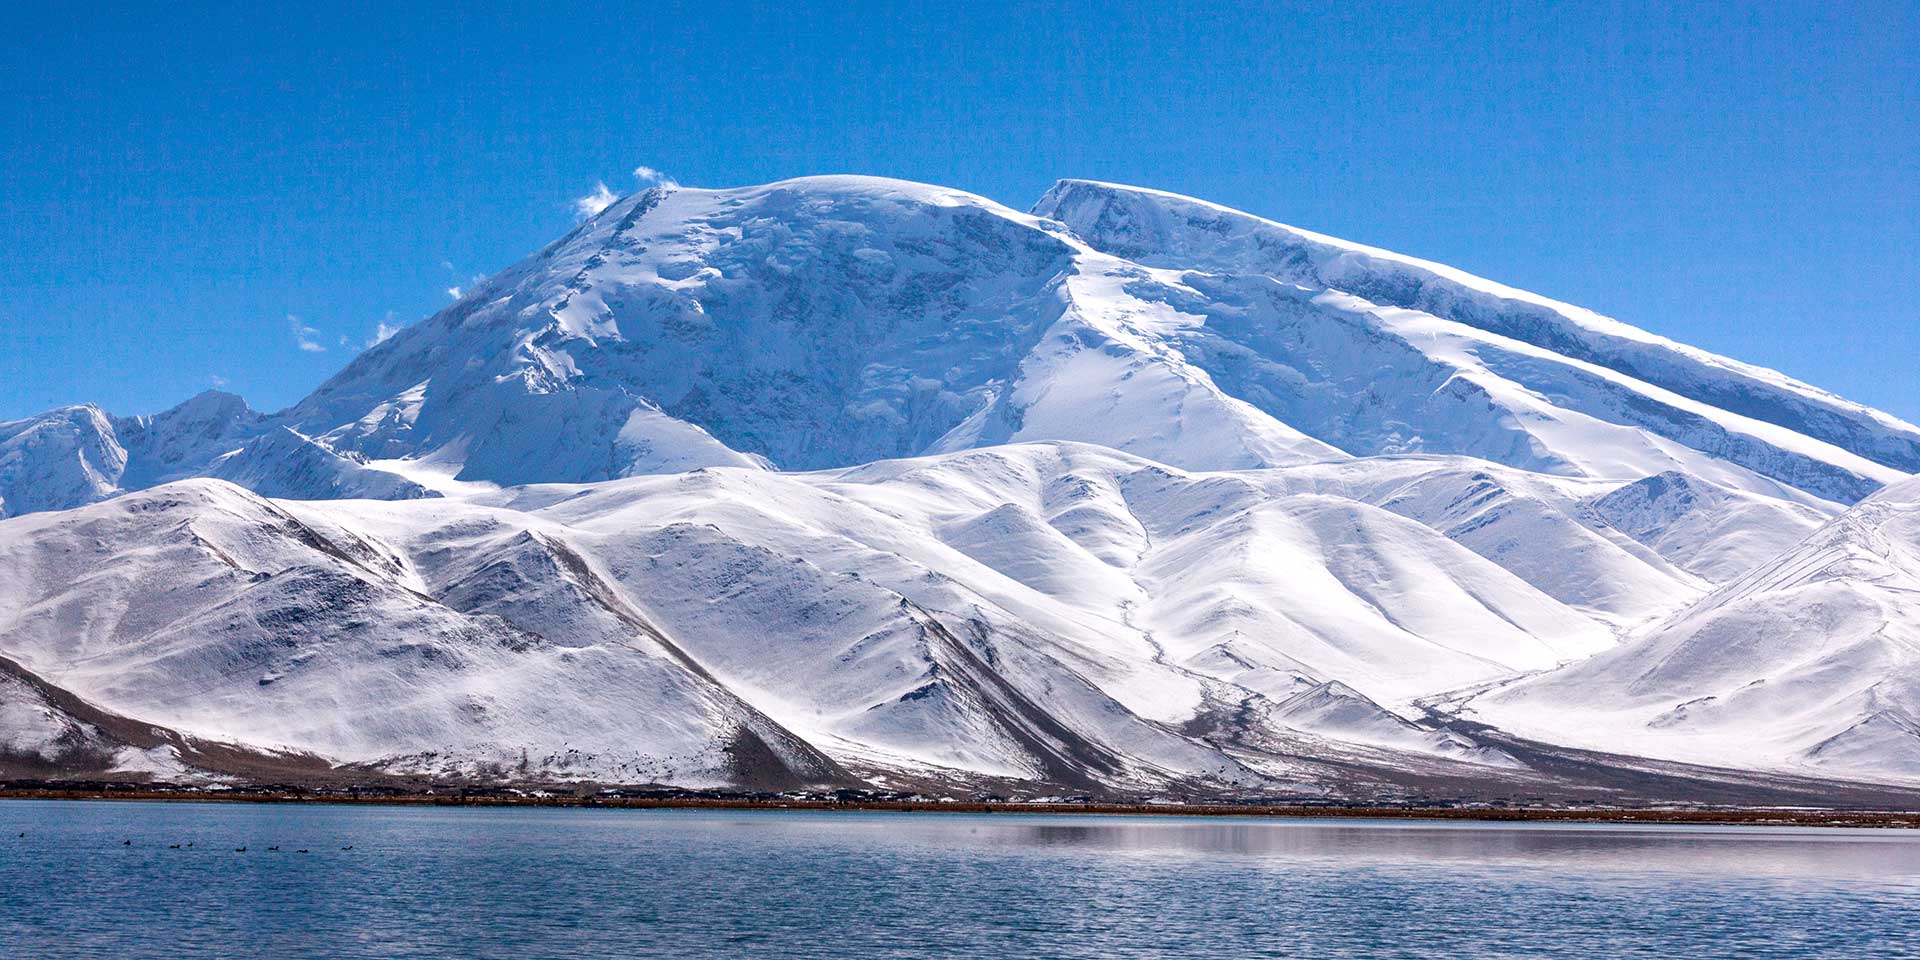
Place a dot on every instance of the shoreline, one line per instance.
(1700, 816)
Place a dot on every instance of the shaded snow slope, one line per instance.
(817, 322)
(59, 459)
(212, 611)
(1052, 613)
(40, 738)
(1045, 612)
(1510, 343)
(1811, 661)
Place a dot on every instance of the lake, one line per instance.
(544, 882)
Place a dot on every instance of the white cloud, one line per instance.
(384, 330)
(602, 196)
(646, 174)
(448, 264)
(453, 292)
(303, 335)
(591, 204)
(216, 380)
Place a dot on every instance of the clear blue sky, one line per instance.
(180, 181)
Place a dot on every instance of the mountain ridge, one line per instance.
(845, 480)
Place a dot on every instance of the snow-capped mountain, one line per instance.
(79, 455)
(814, 323)
(829, 321)
(843, 480)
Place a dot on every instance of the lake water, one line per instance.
(477, 882)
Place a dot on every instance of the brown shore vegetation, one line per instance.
(687, 800)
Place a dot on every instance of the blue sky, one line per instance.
(193, 193)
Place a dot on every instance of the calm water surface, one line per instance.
(473, 882)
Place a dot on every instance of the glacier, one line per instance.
(847, 481)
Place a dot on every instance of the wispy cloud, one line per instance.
(384, 330)
(602, 196)
(216, 381)
(591, 204)
(454, 292)
(652, 175)
(303, 335)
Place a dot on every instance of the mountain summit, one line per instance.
(831, 321)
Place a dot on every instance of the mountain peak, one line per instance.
(207, 406)
(832, 320)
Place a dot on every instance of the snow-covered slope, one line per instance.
(835, 320)
(1588, 363)
(830, 321)
(1809, 661)
(209, 610)
(59, 459)
(844, 479)
(1183, 233)
(818, 322)
(646, 629)
(1053, 613)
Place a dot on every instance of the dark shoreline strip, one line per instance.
(1613, 815)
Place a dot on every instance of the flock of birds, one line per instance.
(189, 846)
